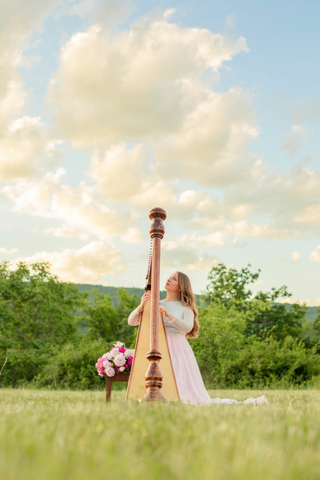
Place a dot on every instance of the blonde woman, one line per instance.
(180, 317)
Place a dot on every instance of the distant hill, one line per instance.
(312, 312)
(112, 291)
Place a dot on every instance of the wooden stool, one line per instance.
(119, 377)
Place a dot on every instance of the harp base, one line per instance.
(153, 380)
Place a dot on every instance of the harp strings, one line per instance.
(148, 276)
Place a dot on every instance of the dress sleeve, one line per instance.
(135, 317)
(186, 323)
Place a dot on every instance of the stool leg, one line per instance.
(108, 388)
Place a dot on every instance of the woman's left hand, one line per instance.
(163, 311)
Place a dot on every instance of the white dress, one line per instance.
(189, 380)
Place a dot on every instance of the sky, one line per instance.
(208, 109)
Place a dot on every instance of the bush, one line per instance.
(228, 358)
(74, 367)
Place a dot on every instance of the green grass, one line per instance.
(60, 435)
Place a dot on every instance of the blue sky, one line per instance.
(209, 109)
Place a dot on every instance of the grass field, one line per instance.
(60, 435)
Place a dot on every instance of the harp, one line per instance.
(148, 380)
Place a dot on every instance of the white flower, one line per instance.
(109, 356)
(105, 355)
(120, 360)
(121, 369)
(110, 372)
(118, 344)
(106, 364)
(114, 352)
(129, 352)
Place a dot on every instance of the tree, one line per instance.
(230, 287)
(108, 322)
(38, 314)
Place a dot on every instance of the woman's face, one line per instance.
(172, 284)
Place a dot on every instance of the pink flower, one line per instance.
(122, 349)
(106, 364)
(110, 372)
(120, 360)
(115, 352)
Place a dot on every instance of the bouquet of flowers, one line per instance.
(119, 359)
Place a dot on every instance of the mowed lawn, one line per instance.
(58, 435)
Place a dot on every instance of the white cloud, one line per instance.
(26, 148)
(132, 235)
(295, 256)
(315, 255)
(79, 210)
(133, 84)
(86, 265)
(18, 20)
(183, 255)
(8, 251)
(212, 145)
(295, 140)
(125, 175)
(279, 205)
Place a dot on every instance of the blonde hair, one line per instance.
(188, 299)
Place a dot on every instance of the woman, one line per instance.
(180, 316)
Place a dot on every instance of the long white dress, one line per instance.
(189, 380)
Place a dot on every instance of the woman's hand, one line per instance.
(145, 297)
(163, 311)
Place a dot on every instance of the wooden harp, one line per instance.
(148, 380)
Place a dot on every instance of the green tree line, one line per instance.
(52, 334)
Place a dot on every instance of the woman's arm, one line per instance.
(136, 315)
(184, 324)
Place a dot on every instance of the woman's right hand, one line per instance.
(145, 297)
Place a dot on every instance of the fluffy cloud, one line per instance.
(182, 254)
(86, 265)
(280, 205)
(212, 145)
(295, 256)
(123, 175)
(78, 209)
(26, 147)
(315, 255)
(18, 20)
(8, 251)
(134, 84)
(294, 141)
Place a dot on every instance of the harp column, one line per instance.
(153, 375)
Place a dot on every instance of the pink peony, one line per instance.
(120, 360)
(114, 352)
(106, 364)
(110, 372)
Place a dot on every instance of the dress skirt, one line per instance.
(188, 376)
